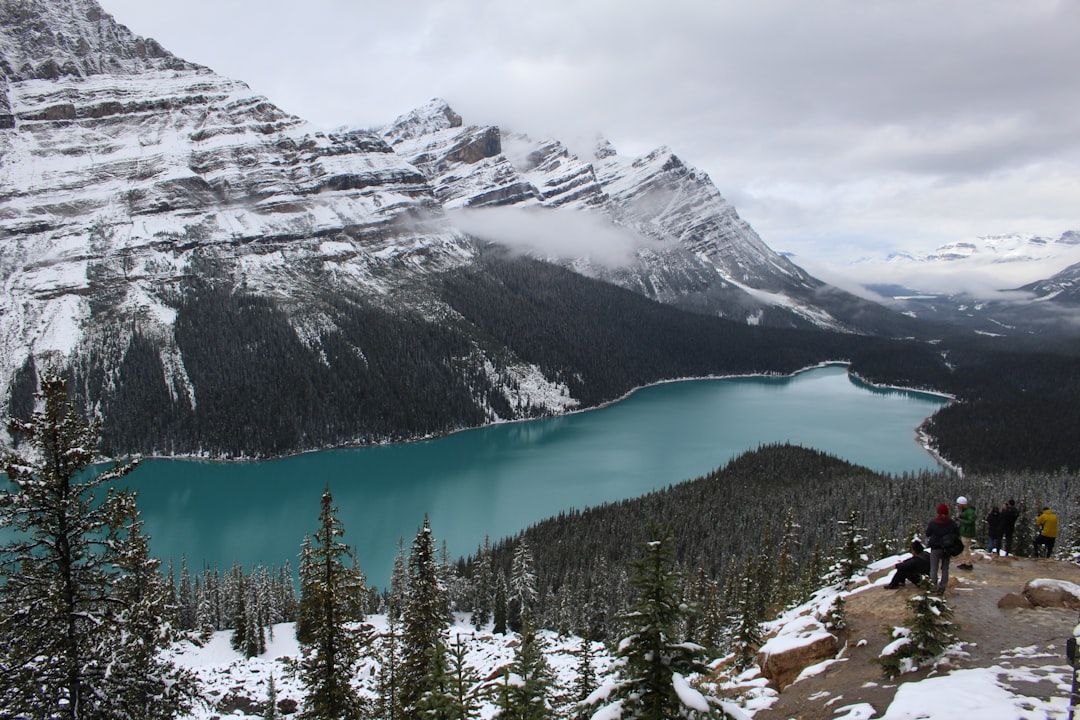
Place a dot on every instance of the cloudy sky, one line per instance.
(838, 128)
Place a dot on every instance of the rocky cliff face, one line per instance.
(120, 162)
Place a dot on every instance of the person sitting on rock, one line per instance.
(913, 569)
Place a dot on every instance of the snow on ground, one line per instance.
(999, 692)
(227, 675)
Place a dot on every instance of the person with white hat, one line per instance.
(967, 520)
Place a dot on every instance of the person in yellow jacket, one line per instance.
(1047, 524)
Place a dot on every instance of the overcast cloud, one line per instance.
(838, 128)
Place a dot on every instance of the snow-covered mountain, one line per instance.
(120, 163)
(653, 224)
(1003, 284)
(172, 237)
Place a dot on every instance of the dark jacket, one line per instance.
(1008, 519)
(995, 523)
(917, 564)
(938, 528)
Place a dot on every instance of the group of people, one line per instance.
(943, 532)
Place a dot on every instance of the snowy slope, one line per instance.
(237, 686)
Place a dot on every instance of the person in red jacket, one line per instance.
(937, 531)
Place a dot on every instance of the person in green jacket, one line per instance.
(1047, 523)
(966, 519)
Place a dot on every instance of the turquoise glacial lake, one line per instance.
(500, 479)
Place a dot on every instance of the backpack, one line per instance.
(952, 544)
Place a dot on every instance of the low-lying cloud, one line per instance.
(551, 233)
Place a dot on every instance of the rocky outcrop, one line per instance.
(1046, 592)
(801, 643)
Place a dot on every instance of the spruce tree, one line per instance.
(388, 682)
(272, 712)
(83, 608)
(424, 619)
(528, 686)
(854, 552)
(585, 680)
(482, 586)
(499, 612)
(656, 663)
(926, 634)
(521, 601)
(328, 627)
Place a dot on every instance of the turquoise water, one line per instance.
(497, 480)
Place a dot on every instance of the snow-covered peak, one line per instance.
(1013, 247)
(429, 118)
(47, 39)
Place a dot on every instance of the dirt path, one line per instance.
(989, 634)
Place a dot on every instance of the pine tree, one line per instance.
(522, 597)
(585, 682)
(746, 620)
(399, 581)
(926, 634)
(272, 712)
(499, 612)
(424, 619)
(786, 560)
(528, 687)
(331, 610)
(653, 679)
(388, 702)
(154, 689)
(854, 551)
(82, 606)
(482, 586)
(186, 598)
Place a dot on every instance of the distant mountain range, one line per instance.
(1050, 305)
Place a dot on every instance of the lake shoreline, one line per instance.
(206, 458)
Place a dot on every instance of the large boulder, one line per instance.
(799, 645)
(1048, 592)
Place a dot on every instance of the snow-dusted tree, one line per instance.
(332, 594)
(82, 604)
(423, 620)
(186, 598)
(527, 687)
(388, 681)
(455, 691)
(787, 555)
(746, 619)
(654, 664)
(272, 712)
(855, 549)
(925, 635)
(482, 586)
(498, 608)
(522, 596)
(585, 681)
(399, 581)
